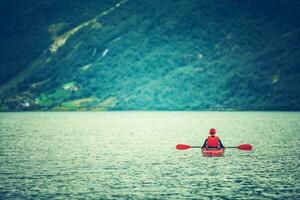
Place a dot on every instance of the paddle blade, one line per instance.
(183, 146)
(246, 147)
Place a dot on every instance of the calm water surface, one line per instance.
(132, 155)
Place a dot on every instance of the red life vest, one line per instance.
(213, 141)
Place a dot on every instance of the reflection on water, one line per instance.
(132, 155)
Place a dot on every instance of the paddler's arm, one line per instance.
(204, 145)
(221, 145)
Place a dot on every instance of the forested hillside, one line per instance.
(150, 55)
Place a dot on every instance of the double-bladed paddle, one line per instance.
(245, 147)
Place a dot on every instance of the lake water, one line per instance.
(132, 155)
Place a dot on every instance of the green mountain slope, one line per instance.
(141, 55)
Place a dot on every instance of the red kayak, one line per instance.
(213, 152)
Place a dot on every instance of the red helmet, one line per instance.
(212, 131)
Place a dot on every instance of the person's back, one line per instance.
(212, 141)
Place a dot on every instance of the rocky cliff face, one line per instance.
(142, 55)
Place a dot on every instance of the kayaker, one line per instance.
(212, 141)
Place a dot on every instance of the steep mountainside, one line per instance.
(150, 55)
